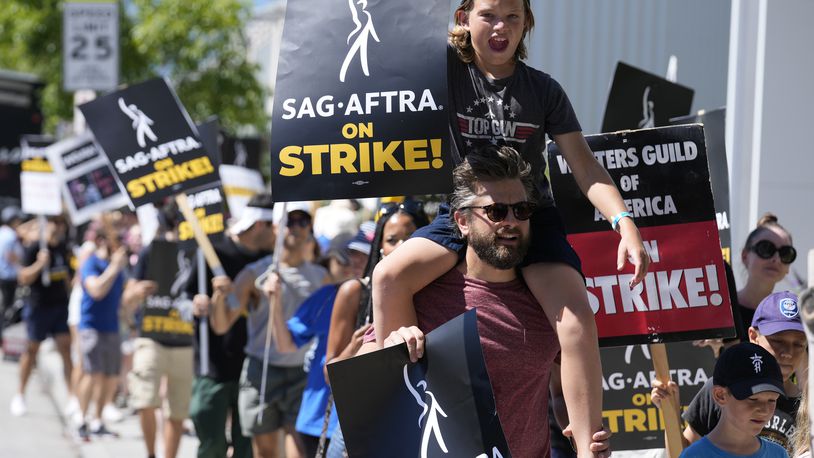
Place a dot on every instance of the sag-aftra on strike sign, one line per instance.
(368, 119)
(150, 140)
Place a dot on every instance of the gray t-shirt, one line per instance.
(516, 111)
(298, 283)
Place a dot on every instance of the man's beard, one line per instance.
(499, 256)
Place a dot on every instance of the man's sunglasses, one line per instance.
(766, 249)
(498, 212)
(301, 222)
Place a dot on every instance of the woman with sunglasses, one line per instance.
(767, 256)
(351, 315)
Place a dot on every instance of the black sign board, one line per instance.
(241, 151)
(440, 406)
(371, 119)
(207, 204)
(714, 122)
(148, 136)
(640, 100)
(663, 177)
(627, 372)
(19, 115)
(167, 314)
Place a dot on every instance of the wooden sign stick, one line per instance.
(670, 410)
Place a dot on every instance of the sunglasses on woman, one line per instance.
(498, 212)
(766, 249)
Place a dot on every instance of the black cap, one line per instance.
(747, 369)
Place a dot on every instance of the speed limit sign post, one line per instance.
(90, 45)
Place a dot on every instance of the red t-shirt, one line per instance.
(519, 347)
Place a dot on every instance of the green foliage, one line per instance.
(197, 44)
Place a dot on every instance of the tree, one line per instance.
(197, 44)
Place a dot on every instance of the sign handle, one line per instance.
(45, 273)
(670, 409)
(274, 267)
(203, 324)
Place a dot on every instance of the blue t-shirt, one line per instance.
(313, 319)
(101, 315)
(704, 448)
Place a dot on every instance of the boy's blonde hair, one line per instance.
(460, 39)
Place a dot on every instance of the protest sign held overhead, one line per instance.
(39, 185)
(442, 405)
(167, 314)
(88, 183)
(714, 122)
(664, 180)
(242, 152)
(151, 142)
(642, 100)
(19, 115)
(371, 121)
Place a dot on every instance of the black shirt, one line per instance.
(56, 293)
(225, 352)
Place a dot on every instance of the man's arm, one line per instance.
(135, 293)
(222, 317)
(280, 334)
(97, 287)
(28, 275)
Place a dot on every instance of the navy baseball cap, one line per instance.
(778, 312)
(747, 369)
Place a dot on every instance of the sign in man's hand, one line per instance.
(412, 336)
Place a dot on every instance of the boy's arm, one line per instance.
(600, 189)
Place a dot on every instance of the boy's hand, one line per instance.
(632, 249)
(600, 445)
(414, 338)
(660, 393)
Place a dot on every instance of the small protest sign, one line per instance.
(714, 122)
(241, 151)
(627, 373)
(90, 45)
(371, 121)
(167, 314)
(148, 137)
(88, 183)
(441, 406)
(39, 185)
(664, 180)
(207, 204)
(642, 100)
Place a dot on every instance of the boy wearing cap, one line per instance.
(777, 328)
(747, 383)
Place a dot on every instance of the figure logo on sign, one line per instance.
(432, 426)
(360, 43)
(648, 114)
(241, 155)
(141, 122)
(182, 276)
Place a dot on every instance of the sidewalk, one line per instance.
(44, 432)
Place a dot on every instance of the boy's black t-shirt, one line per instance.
(226, 352)
(59, 271)
(516, 111)
(703, 414)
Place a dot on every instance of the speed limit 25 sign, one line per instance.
(90, 45)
